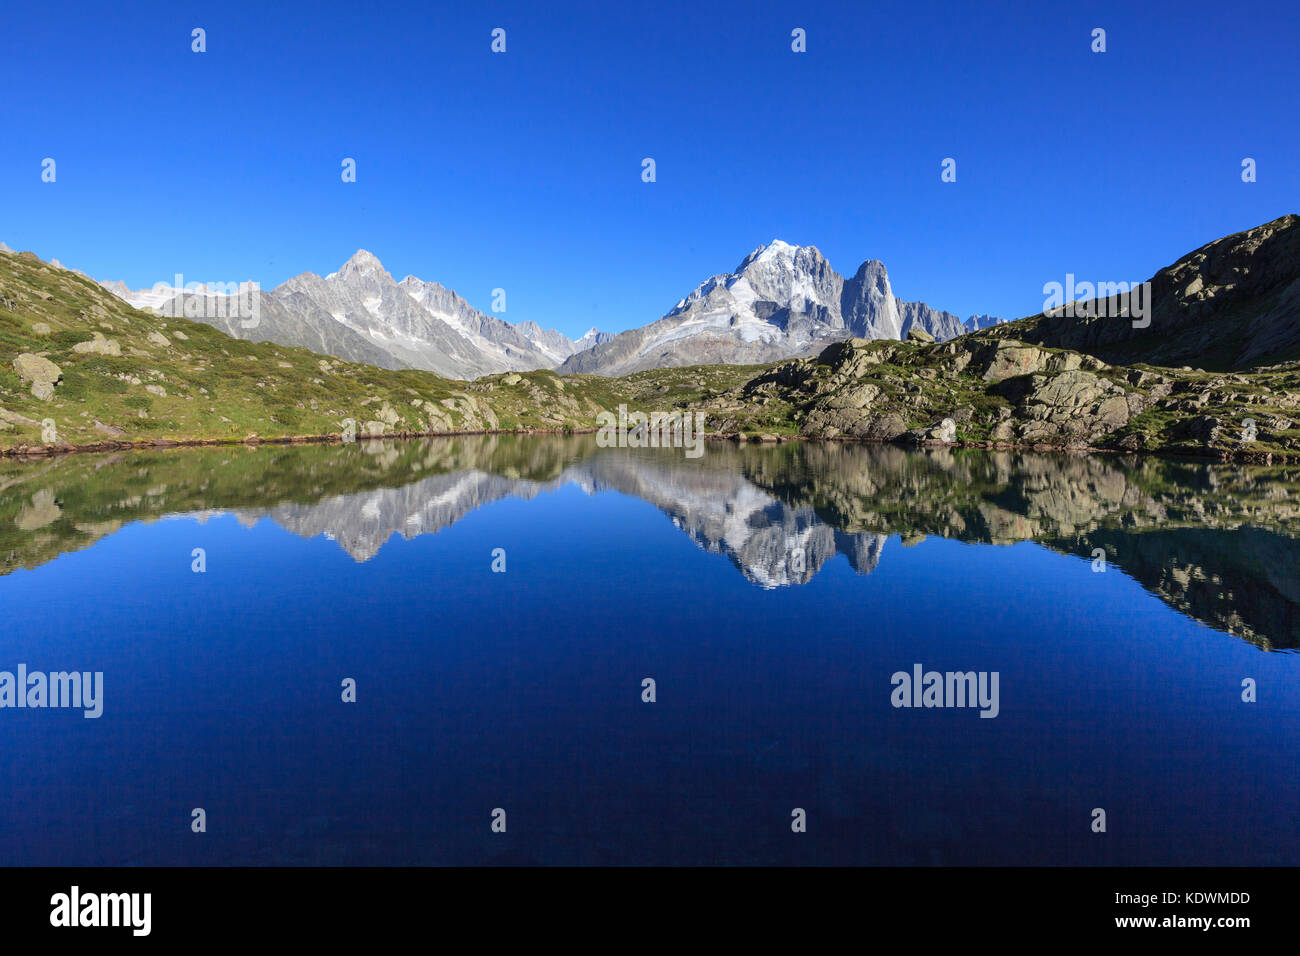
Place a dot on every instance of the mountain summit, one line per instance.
(782, 301)
(361, 314)
(361, 264)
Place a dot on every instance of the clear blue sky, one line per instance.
(523, 170)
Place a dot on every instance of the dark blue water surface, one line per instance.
(522, 690)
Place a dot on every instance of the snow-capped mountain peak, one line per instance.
(361, 264)
(783, 300)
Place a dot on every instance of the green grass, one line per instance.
(207, 386)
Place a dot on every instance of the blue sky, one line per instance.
(523, 170)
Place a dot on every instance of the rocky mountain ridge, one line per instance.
(1233, 304)
(359, 313)
(782, 301)
(83, 369)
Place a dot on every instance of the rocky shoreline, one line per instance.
(39, 452)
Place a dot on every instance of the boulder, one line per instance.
(919, 335)
(1074, 402)
(38, 372)
(1009, 358)
(944, 431)
(1004, 431)
(98, 345)
(13, 418)
(36, 368)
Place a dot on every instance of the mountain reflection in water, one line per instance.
(1219, 543)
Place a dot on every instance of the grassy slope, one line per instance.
(208, 386)
(220, 388)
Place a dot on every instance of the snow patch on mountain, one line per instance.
(782, 301)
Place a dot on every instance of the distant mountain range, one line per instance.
(783, 301)
(110, 375)
(361, 314)
(1232, 304)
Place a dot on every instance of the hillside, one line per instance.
(121, 375)
(1004, 393)
(1232, 304)
(106, 375)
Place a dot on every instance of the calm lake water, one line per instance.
(771, 593)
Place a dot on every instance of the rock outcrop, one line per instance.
(1234, 303)
(782, 301)
(1003, 391)
(39, 373)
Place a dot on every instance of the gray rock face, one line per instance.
(942, 325)
(782, 301)
(360, 314)
(417, 324)
(293, 319)
(1075, 403)
(38, 372)
(977, 322)
(868, 306)
(99, 345)
(557, 346)
(1232, 304)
